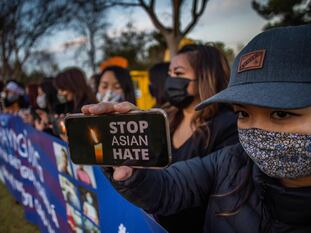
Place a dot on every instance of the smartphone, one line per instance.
(138, 139)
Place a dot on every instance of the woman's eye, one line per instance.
(281, 115)
(241, 114)
(117, 86)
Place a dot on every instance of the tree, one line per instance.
(130, 44)
(22, 25)
(89, 20)
(173, 33)
(228, 52)
(284, 12)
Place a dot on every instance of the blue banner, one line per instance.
(58, 195)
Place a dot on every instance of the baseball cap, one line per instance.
(273, 70)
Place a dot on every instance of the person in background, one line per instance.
(157, 77)
(73, 90)
(195, 73)
(14, 97)
(47, 99)
(263, 183)
(116, 85)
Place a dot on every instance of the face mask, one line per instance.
(10, 100)
(62, 99)
(110, 96)
(41, 101)
(176, 92)
(279, 155)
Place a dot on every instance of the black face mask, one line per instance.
(176, 92)
(10, 100)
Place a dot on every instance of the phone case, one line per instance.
(139, 139)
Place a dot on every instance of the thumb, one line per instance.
(122, 173)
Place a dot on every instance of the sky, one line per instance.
(233, 22)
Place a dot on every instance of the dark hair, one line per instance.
(124, 78)
(157, 76)
(245, 185)
(212, 71)
(32, 94)
(96, 77)
(51, 94)
(73, 80)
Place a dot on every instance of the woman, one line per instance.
(262, 184)
(47, 97)
(73, 90)
(196, 73)
(115, 85)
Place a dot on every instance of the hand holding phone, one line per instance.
(136, 139)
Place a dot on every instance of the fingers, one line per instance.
(108, 107)
(124, 107)
(122, 173)
(100, 108)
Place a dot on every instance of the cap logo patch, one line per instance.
(252, 60)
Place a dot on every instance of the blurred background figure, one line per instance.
(14, 97)
(47, 97)
(73, 90)
(157, 76)
(115, 85)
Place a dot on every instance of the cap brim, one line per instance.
(279, 95)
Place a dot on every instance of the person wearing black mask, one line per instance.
(196, 73)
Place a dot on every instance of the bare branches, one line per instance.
(196, 14)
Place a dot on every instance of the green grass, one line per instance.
(12, 215)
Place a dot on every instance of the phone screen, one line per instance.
(138, 139)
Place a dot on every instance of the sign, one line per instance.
(57, 195)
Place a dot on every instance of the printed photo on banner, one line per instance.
(70, 192)
(90, 227)
(84, 174)
(62, 159)
(1, 176)
(89, 204)
(74, 219)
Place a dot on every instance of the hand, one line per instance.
(123, 172)
(39, 124)
(108, 107)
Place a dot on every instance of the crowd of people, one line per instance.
(241, 142)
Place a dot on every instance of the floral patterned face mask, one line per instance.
(279, 155)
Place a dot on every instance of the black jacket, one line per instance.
(266, 205)
(221, 131)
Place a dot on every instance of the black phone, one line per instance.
(138, 139)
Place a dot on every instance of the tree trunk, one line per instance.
(92, 51)
(172, 42)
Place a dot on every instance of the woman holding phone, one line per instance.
(263, 183)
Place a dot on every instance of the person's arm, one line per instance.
(183, 185)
